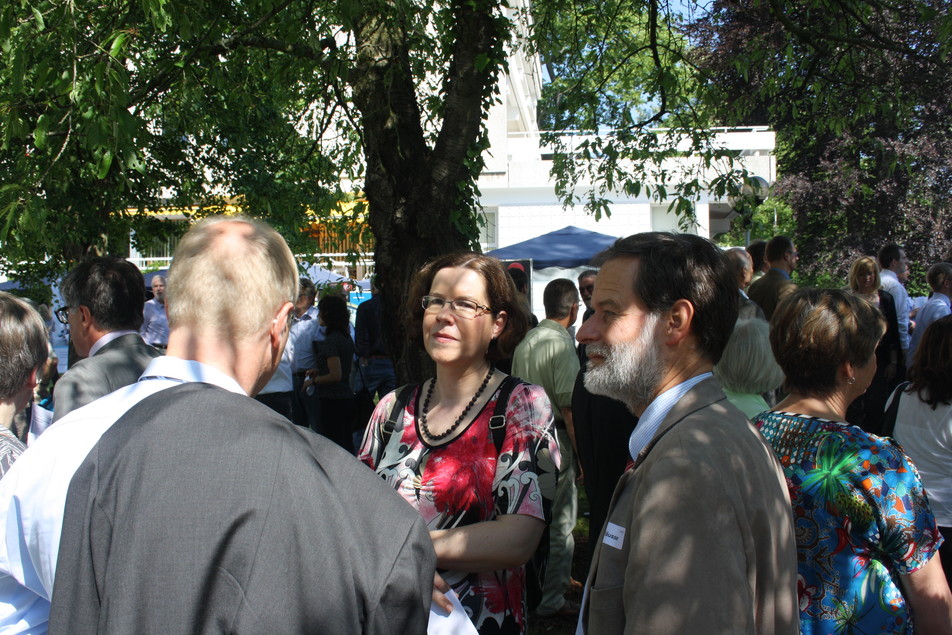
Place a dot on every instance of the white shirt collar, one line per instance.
(188, 370)
(108, 337)
(656, 411)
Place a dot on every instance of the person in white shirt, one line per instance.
(924, 426)
(213, 341)
(938, 306)
(892, 259)
(155, 321)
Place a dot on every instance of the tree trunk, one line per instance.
(413, 191)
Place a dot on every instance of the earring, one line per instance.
(851, 381)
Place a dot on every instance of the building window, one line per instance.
(489, 231)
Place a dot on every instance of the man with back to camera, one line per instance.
(546, 357)
(756, 250)
(775, 285)
(699, 534)
(201, 509)
(104, 300)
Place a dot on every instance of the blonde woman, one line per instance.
(866, 412)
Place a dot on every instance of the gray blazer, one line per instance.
(699, 537)
(117, 364)
(204, 511)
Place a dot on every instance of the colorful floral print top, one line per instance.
(861, 518)
(464, 482)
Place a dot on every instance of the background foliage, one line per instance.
(287, 107)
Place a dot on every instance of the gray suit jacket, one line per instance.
(203, 511)
(117, 364)
(699, 537)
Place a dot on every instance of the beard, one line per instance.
(630, 372)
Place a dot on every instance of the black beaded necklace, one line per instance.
(459, 419)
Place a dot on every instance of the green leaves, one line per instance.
(38, 19)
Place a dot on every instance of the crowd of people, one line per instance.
(758, 457)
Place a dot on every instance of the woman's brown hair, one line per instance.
(500, 291)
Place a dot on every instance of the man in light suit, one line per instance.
(185, 506)
(104, 299)
(775, 285)
(699, 536)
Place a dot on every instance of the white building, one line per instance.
(518, 193)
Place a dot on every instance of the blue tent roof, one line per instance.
(567, 247)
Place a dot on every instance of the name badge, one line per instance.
(614, 536)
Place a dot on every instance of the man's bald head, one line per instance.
(741, 266)
(229, 276)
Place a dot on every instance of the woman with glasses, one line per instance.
(482, 483)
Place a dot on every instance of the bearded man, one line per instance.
(699, 535)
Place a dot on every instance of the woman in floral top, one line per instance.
(867, 541)
(486, 507)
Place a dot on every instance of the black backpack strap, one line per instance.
(387, 427)
(497, 423)
(892, 410)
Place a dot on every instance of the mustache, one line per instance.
(601, 350)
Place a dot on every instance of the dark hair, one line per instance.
(931, 372)
(738, 260)
(306, 286)
(519, 278)
(888, 254)
(813, 331)
(111, 288)
(500, 290)
(588, 273)
(757, 249)
(777, 248)
(332, 309)
(684, 267)
(559, 297)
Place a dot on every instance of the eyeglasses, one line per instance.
(466, 309)
(62, 314)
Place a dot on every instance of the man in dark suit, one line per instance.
(699, 535)
(202, 510)
(742, 268)
(776, 284)
(104, 299)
